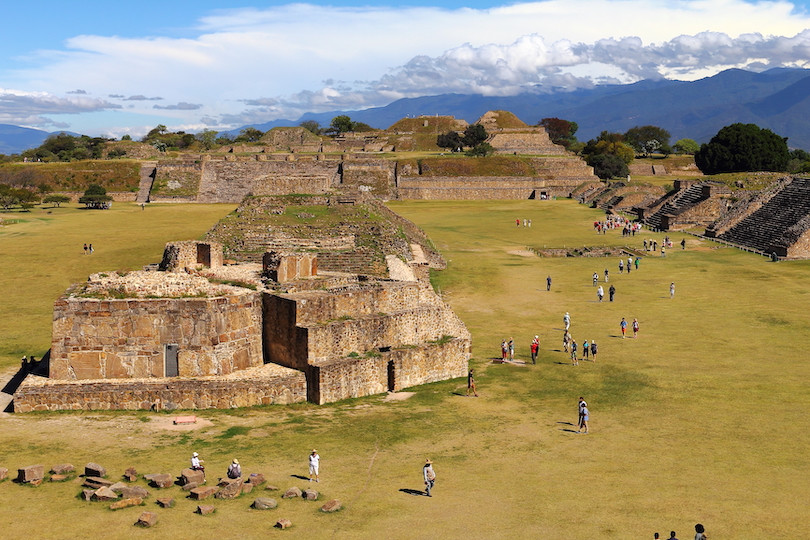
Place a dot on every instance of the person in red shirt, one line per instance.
(535, 348)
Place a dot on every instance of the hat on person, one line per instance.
(314, 451)
(536, 337)
(236, 461)
(428, 462)
(194, 454)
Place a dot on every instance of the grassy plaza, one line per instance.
(700, 419)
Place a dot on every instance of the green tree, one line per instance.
(686, 146)
(340, 124)
(474, 135)
(249, 134)
(56, 200)
(207, 138)
(95, 196)
(126, 137)
(647, 139)
(743, 148)
(480, 150)
(311, 126)
(450, 140)
(560, 131)
(607, 166)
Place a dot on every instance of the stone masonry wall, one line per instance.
(344, 378)
(263, 385)
(110, 339)
(431, 363)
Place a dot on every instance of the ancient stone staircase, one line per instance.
(677, 204)
(767, 228)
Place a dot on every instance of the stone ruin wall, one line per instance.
(109, 339)
(267, 385)
(377, 177)
(177, 256)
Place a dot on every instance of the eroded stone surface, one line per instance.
(264, 503)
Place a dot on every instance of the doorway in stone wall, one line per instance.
(170, 365)
(204, 254)
(391, 377)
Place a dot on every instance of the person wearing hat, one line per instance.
(314, 463)
(197, 463)
(471, 384)
(234, 469)
(535, 348)
(430, 476)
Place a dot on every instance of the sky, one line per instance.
(113, 68)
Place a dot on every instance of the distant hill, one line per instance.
(777, 99)
(15, 139)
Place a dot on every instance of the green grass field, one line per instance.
(700, 419)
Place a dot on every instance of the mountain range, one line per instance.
(777, 99)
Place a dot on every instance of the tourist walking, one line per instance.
(621, 265)
(635, 328)
(535, 347)
(581, 405)
(511, 349)
(623, 325)
(637, 261)
(566, 340)
(607, 275)
(586, 349)
(567, 320)
(672, 290)
(672, 535)
(611, 292)
(548, 283)
(429, 475)
(683, 243)
(314, 465)
(595, 279)
(504, 350)
(90, 248)
(234, 469)
(594, 350)
(663, 251)
(600, 293)
(700, 532)
(586, 416)
(645, 246)
(85, 249)
(471, 384)
(574, 361)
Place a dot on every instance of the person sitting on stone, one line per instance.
(197, 463)
(234, 469)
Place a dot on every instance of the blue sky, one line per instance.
(113, 68)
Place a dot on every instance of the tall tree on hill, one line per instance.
(95, 196)
(312, 126)
(249, 134)
(648, 139)
(450, 140)
(474, 135)
(560, 131)
(686, 146)
(608, 155)
(743, 148)
(340, 124)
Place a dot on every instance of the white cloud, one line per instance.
(254, 64)
(30, 108)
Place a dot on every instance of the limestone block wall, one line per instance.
(113, 339)
(284, 267)
(377, 176)
(284, 342)
(265, 385)
(315, 307)
(430, 363)
(178, 256)
(343, 337)
(800, 248)
(343, 378)
(175, 179)
(230, 181)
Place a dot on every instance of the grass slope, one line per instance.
(698, 420)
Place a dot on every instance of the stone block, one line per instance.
(247, 488)
(31, 473)
(165, 502)
(292, 493)
(203, 492)
(58, 477)
(331, 506)
(264, 503)
(94, 469)
(131, 474)
(126, 503)
(189, 487)
(310, 495)
(256, 479)
(104, 494)
(87, 494)
(36, 481)
(270, 487)
(229, 488)
(94, 482)
(63, 468)
(130, 492)
(3, 473)
(147, 519)
(189, 476)
(160, 480)
(205, 509)
(283, 524)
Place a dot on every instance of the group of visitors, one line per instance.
(526, 222)
(88, 249)
(700, 533)
(623, 326)
(235, 468)
(508, 350)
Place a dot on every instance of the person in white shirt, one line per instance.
(314, 463)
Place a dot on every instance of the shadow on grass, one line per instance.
(300, 476)
(416, 492)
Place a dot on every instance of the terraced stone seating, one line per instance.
(677, 204)
(772, 228)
